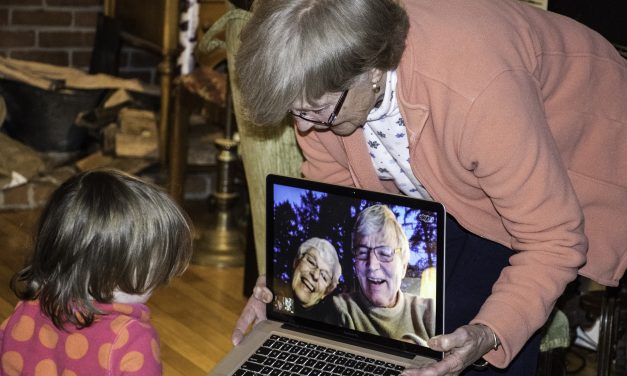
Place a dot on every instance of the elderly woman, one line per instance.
(511, 116)
(316, 273)
(380, 258)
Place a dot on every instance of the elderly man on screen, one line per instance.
(380, 259)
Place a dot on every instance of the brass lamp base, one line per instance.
(223, 242)
(220, 245)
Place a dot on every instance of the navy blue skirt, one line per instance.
(473, 264)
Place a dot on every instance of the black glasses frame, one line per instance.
(376, 249)
(329, 122)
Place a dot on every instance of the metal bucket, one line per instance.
(45, 119)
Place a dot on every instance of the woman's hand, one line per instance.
(254, 311)
(461, 349)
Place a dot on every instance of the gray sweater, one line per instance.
(411, 314)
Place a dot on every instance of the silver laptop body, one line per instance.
(299, 209)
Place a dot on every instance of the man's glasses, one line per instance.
(329, 122)
(384, 253)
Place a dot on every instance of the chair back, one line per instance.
(264, 149)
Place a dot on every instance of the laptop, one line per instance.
(330, 335)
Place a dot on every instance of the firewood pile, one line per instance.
(55, 122)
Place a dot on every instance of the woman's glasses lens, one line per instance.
(329, 123)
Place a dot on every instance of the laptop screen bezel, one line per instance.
(370, 340)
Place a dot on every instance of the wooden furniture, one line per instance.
(154, 25)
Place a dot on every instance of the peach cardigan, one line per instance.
(517, 122)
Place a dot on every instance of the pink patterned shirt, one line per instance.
(120, 343)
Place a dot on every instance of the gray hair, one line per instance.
(327, 251)
(302, 49)
(379, 218)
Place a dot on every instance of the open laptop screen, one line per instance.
(361, 264)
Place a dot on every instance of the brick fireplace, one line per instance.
(61, 32)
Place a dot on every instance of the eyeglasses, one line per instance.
(312, 262)
(384, 253)
(329, 122)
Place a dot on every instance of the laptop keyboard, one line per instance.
(282, 356)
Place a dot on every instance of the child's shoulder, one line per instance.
(24, 310)
(119, 317)
(22, 321)
(124, 311)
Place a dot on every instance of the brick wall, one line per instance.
(61, 32)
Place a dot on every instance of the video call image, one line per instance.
(354, 263)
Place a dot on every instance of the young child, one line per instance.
(104, 242)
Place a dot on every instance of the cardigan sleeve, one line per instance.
(508, 146)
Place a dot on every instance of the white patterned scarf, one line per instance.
(388, 143)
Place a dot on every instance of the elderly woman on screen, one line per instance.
(315, 275)
(511, 116)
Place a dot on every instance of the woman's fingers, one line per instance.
(254, 311)
(263, 294)
(250, 315)
(462, 347)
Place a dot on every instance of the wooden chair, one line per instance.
(154, 26)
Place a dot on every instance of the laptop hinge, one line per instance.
(350, 341)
